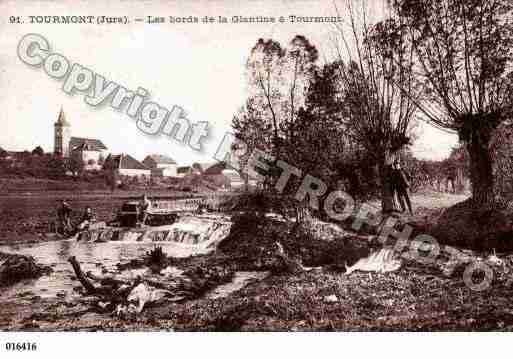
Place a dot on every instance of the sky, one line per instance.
(199, 67)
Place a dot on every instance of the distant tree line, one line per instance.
(38, 164)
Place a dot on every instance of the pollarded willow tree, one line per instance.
(464, 56)
(375, 68)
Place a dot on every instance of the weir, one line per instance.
(204, 231)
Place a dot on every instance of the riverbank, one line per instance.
(412, 298)
(297, 281)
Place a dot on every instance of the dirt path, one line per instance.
(429, 200)
(437, 200)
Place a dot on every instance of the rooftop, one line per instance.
(124, 161)
(89, 144)
(161, 159)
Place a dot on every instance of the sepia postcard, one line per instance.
(254, 166)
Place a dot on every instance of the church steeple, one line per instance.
(62, 119)
(62, 132)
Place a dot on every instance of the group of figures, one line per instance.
(65, 226)
(64, 214)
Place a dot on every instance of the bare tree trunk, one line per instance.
(86, 283)
(481, 172)
(387, 195)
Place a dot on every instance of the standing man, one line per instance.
(64, 215)
(401, 184)
(450, 179)
(145, 205)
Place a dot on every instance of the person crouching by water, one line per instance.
(401, 185)
(87, 218)
(144, 207)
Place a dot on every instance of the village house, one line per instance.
(235, 180)
(94, 155)
(195, 169)
(90, 151)
(217, 173)
(213, 172)
(183, 171)
(125, 165)
(161, 165)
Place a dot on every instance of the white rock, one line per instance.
(382, 261)
(143, 294)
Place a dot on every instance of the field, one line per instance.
(28, 208)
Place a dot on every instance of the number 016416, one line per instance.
(20, 347)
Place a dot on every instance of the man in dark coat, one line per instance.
(144, 206)
(401, 184)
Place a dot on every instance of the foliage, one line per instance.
(278, 78)
(156, 256)
(25, 164)
(464, 52)
(429, 174)
(38, 151)
(75, 165)
(293, 114)
(373, 66)
(373, 69)
(464, 61)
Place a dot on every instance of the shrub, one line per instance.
(156, 256)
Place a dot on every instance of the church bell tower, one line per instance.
(62, 131)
